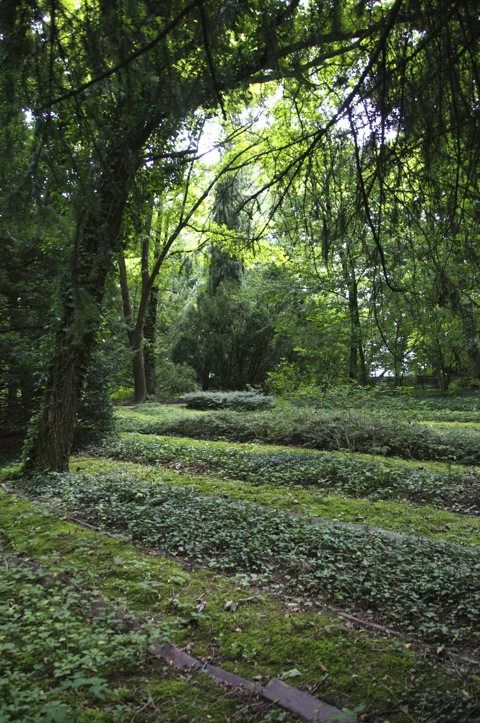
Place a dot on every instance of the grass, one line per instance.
(241, 401)
(57, 663)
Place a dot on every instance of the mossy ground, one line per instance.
(398, 517)
(243, 625)
(125, 576)
(262, 635)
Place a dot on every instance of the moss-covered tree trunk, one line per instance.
(51, 432)
(50, 437)
(150, 341)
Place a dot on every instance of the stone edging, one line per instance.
(292, 699)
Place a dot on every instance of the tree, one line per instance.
(402, 219)
(112, 85)
(169, 215)
(228, 335)
(31, 257)
(183, 59)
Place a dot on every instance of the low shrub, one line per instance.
(403, 402)
(242, 401)
(350, 431)
(330, 472)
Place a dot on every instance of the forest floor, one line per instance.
(352, 574)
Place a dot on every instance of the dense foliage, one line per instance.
(54, 662)
(260, 200)
(298, 533)
(338, 216)
(347, 430)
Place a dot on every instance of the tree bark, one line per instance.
(143, 330)
(135, 336)
(49, 446)
(51, 434)
(139, 378)
(357, 368)
(150, 340)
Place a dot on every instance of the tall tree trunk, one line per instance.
(357, 368)
(144, 327)
(150, 334)
(135, 336)
(150, 327)
(139, 376)
(51, 433)
(50, 445)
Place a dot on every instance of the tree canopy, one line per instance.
(350, 142)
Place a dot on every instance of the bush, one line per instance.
(173, 379)
(243, 401)
(341, 396)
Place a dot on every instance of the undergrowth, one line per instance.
(405, 401)
(244, 630)
(53, 663)
(400, 517)
(455, 490)
(350, 430)
(60, 664)
(427, 589)
(240, 401)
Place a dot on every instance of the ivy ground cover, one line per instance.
(442, 486)
(377, 431)
(239, 517)
(240, 624)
